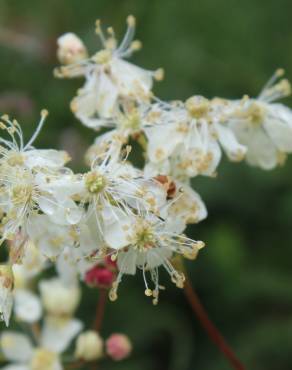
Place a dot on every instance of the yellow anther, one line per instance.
(131, 21)
(136, 45)
(44, 113)
(148, 292)
(199, 244)
(159, 74)
(280, 72)
(113, 257)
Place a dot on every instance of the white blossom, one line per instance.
(264, 127)
(147, 242)
(55, 337)
(109, 77)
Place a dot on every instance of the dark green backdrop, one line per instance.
(209, 47)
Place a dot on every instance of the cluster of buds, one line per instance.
(91, 347)
(50, 317)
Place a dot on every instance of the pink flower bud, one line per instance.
(118, 346)
(99, 276)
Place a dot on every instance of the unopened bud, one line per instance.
(58, 298)
(89, 346)
(100, 277)
(70, 49)
(118, 346)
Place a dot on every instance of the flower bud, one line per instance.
(58, 298)
(118, 346)
(102, 274)
(6, 296)
(89, 346)
(99, 276)
(70, 49)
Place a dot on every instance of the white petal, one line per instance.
(130, 78)
(234, 150)
(15, 367)
(27, 306)
(157, 256)
(15, 346)
(279, 127)
(66, 267)
(162, 141)
(127, 262)
(188, 208)
(47, 204)
(6, 302)
(106, 96)
(116, 233)
(45, 158)
(261, 151)
(58, 333)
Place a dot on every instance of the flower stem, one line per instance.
(210, 328)
(100, 309)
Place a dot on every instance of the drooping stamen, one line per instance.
(44, 114)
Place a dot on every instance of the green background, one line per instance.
(208, 47)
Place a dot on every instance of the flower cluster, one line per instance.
(117, 218)
(47, 341)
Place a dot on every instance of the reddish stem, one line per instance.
(210, 328)
(100, 309)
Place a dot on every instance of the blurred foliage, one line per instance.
(225, 48)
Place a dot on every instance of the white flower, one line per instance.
(109, 78)
(13, 151)
(6, 292)
(184, 138)
(264, 127)
(59, 299)
(218, 110)
(113, 186)
(25, 193)
(185, 206)
(89, 346)
(147, 242)
(70, 49)
(48, 237)
(54, 338)
(181, 141)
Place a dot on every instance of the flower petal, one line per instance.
(27, 306)
(58, 333)
(15, 346)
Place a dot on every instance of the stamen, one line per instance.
(159, 74)
(44, 114)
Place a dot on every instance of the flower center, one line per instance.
(103, 56)
(15, 159)
(43, 359)
(95, 182)
(198, 106)
(256, 114)
(22, 193)
(144, 237)
(132, 121)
